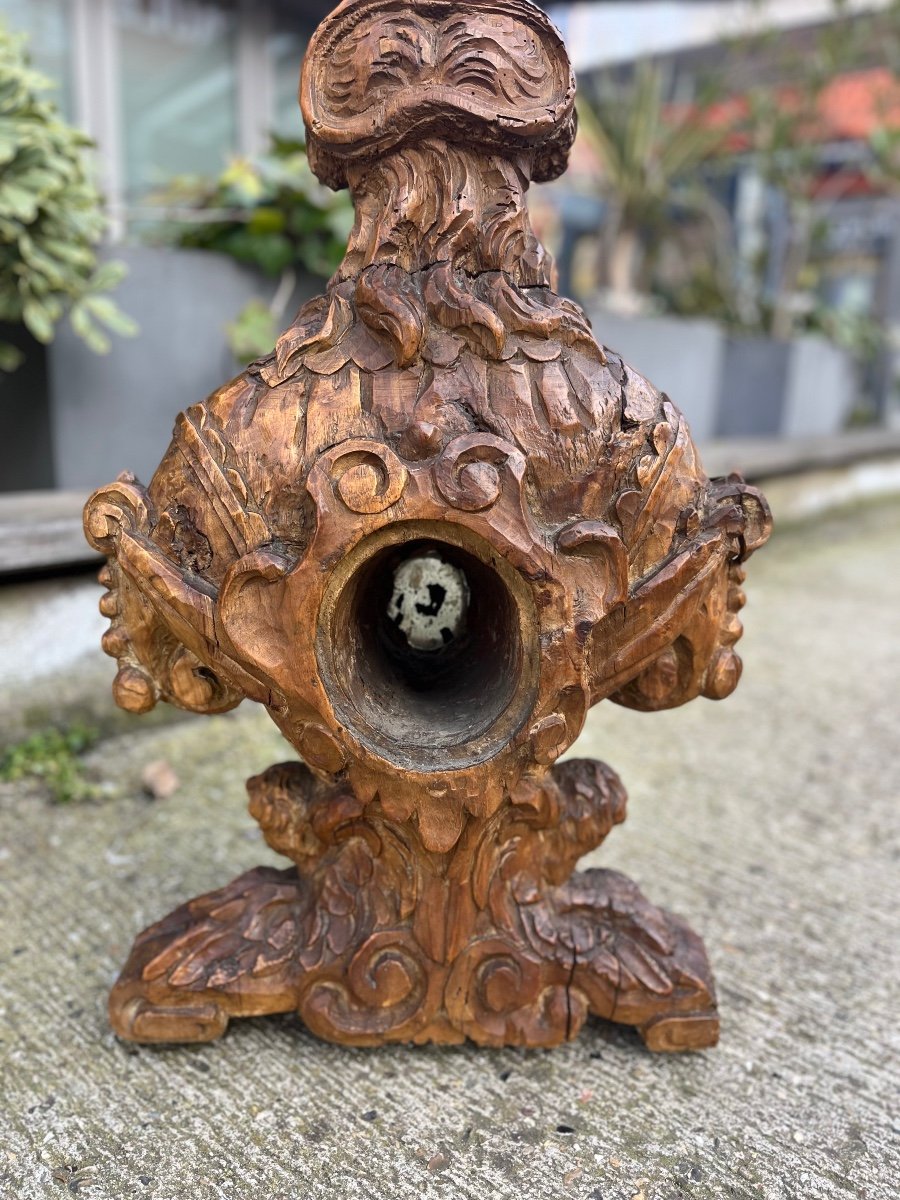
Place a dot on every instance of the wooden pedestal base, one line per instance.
(428, 532)
(372, 938)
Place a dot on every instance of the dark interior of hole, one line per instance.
(430, 698)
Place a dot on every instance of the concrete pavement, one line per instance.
(770, 820)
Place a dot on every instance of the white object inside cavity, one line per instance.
(429, 602)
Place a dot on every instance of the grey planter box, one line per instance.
(110, 413)
(681, 357)
(822, 386)
(100, 415)
(802, 388)
(26, 454)
(753, 386)
(732, 386)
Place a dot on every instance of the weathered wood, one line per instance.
(440, 413)
(42, 531)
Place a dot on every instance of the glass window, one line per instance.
(178, 86)
(47, 24)
(286, 52)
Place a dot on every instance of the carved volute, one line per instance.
(428, 532)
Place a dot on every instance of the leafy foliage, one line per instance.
(272, 214)
(253, 332)
(668, 239)
(53, 757)
(51, 217)
(781, 129)
(651, 157)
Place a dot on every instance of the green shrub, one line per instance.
(51, 217)
(271, 213)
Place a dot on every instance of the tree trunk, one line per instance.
(783, 313)
(623, 263)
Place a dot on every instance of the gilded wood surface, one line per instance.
(439, 401)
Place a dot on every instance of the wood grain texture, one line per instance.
(439, 401)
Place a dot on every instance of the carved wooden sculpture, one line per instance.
(428, 532)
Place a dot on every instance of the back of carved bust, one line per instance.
(444, 373)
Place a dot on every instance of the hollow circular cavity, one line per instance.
(423, 653)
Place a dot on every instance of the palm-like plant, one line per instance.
(650, 156)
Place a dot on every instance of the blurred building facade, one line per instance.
(169, 87)
(857, 261)
(165, 88)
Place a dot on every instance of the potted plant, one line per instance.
(221, 264)
(51, 223)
